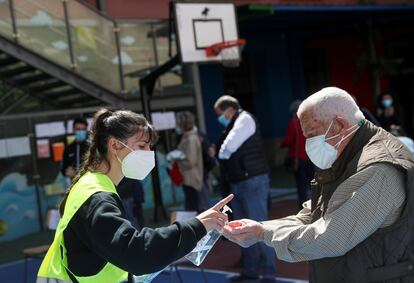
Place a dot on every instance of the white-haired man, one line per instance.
(359, 225)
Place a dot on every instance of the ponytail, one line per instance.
(92, 156)
(106, 124)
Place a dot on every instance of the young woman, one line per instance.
(94, 242)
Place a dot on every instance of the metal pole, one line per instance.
(118, 51)
(7, 94)
(154, 45)
(15, 104)
(35, 176)
(156, 186)
(13, 18)
(71, 54)
(198, 96)
(154, 48)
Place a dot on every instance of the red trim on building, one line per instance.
(133, 9)
(158, 9)
(342, 57)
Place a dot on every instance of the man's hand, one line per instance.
(244, 232)
(213, 218)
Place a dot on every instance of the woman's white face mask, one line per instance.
(323, 154)
(138, 163)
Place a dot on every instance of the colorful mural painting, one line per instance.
(18, 207)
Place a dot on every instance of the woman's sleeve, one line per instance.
(138, 252)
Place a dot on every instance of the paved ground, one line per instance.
(225, 255)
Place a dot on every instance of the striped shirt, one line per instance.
(370, 199)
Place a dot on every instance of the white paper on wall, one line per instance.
(3, 149)
(18, 146)
(69, 127)
(45, 130)
(57, 129)
(42, 130)
(163, 120)
(43, 148)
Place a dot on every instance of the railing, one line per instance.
(78, 37)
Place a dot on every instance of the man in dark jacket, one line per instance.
(241, 156)
(359, 225)
(74, 152)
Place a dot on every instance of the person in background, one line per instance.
(242, 157)
(74, 153)
(192, 166)
(209, 161)
(131, 193)
(359, 225)
(299, 160)
(386, 112)
(94, 240)
(400, 133)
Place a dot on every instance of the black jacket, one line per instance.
(387, 254)
(249, 160)
(70, 154)
(99, 232)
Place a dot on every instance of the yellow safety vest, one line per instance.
(55, 263)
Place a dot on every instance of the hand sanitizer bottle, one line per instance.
(146, 278)
(206, 243)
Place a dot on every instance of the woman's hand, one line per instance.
(213, 218)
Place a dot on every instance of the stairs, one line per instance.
(32, 78)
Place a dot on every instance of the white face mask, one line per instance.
(138, 163)
(321, 153)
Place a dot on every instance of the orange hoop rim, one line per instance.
(216, 48)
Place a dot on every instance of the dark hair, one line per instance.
(225, 102)
(80, 120)
(106, 124)
(185, 120)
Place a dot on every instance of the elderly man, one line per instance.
(359, 225)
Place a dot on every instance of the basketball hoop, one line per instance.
(229, 50)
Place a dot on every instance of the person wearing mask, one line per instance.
(94, 241)
(300, 164)
(244, 164)
(74, 153)
(386, 112)
(191, 167)
(359, 225)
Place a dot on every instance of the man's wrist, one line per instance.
(261, 232)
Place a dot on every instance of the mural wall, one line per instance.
(31, 182)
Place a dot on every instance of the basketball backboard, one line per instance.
(200, 25)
